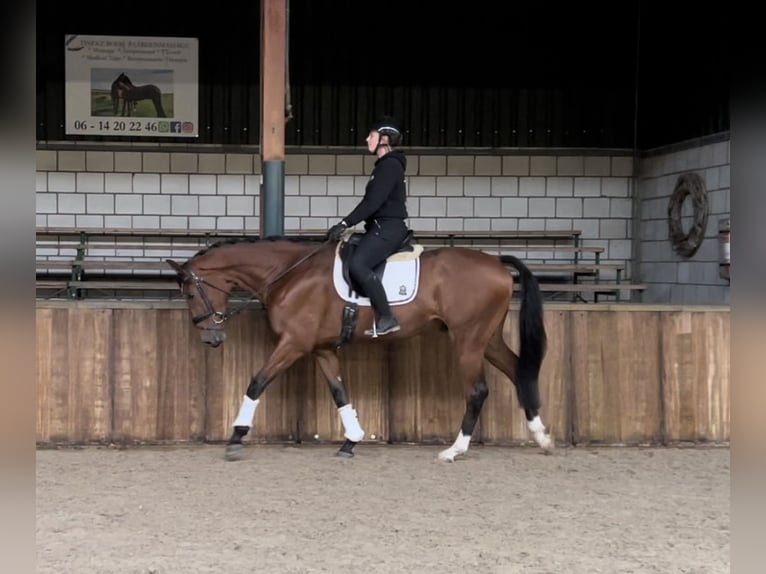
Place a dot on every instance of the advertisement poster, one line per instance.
(131, 86)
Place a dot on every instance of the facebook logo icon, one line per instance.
(175, 127)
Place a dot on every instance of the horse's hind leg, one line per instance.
(284, 355)
(157, 101)
(527, 391)
(471, 361)
(328, 362)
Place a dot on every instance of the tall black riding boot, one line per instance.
(386, 323)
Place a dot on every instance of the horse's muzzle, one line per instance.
(213, 337)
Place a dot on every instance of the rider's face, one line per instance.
(372, 141)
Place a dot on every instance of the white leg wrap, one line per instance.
(460, 446)
(350, 422)
(537, 428)
(536, 425)
(246, 412)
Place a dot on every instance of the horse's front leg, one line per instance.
(328, 362)
(283, 356)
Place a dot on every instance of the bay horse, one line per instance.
(466, 290)
(132, 94)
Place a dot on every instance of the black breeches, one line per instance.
(380, 241)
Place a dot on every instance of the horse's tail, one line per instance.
(533, 340)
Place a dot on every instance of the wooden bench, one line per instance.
(139, 232)
(142, 284)
(611, 288)
(54, 264)
(62, 242)
(545, 245)
(112, 265)
(97, 259)
(576, 267)
(56, 285)
(455, 237)
(574, 272)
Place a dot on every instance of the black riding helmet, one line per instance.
(386, 125)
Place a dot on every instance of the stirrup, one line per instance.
(375, 333)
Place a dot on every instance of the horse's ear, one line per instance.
(178, 269)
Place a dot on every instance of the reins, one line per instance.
(294, 265)
(218, 316)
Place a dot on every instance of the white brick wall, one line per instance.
(324, 206)
(313, 185)
(145, 183)
(670, 277)
(231, 185)
(446, 192)
(202, 184)
(449, 186)
(542, 207)
(531, 186)
(123, 204)
(174, 184)
(184, 205)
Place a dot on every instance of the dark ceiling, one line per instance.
(682, 67)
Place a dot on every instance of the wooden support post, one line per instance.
(273, 65)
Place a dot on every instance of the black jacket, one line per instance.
(386, 192)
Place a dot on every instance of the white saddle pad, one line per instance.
(400, 279)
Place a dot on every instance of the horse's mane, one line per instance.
(254, 239)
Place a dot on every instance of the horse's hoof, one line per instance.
(548, 445)
(234, 452)
(447, 456)
(344, 454)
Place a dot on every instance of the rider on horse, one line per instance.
(383, 210)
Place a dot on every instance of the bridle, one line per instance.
(220, 317)
(210, 311)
